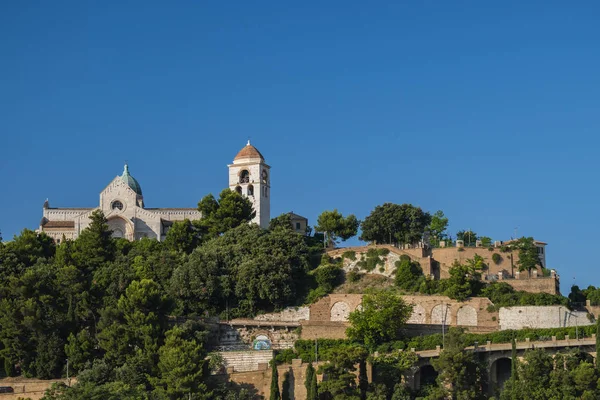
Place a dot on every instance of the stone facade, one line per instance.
(123, 205)
(329, 316)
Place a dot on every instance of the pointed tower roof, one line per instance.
(248, 153)
(131, 181)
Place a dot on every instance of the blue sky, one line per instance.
(486, 111)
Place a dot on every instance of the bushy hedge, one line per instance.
(305, 349)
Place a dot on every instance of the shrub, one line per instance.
(460, 249)
(350, 255)
(353, 276)
(496, 258)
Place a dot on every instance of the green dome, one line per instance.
(130, 181)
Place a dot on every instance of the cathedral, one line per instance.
(122, 202)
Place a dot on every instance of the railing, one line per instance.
(233, 347)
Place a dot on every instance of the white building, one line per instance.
(122, 203)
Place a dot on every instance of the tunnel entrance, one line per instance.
(425, 376)
(501, 371)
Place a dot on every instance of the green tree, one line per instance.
(598, 341)
(136, 323)
(180, 365)
(467, 236)
(395, 224)
(340, 374)
(437, 227)
(274, 394)
(308, 382)
(464, 281)
(231, 210)
(94, 246)
(380, 319)
(183, 236)
(408, 274)
(336, 227)
(528, 256)
(461, 374)
(284, 221)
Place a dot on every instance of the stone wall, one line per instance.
(243, 361)
(541, 317)
(549, 285)
(389, 260)
(261, 380)
(329, 315)
(448, 255)
(281, 337)
(26, 388)
(290, 314)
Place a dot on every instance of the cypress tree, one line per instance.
(285, 386)
(514, 361)
(314, 389)
(310, 372)
(274, 381)
(597, 342)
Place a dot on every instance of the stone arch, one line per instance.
(339, 311)
(441, 313)
(121, 227)
(262, 341)
(418, 315)
(244, 176)
(426, 375)
(500, 371)
(466, 316)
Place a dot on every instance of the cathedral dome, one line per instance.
(130, 181)
(249, 152)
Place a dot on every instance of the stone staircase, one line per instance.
(243, 361)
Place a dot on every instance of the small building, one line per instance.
(299, 223)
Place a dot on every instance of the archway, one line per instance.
(425, 376)
(466, 316)
(441, 314)
(500, 372)
(121, 228)
(339, 311)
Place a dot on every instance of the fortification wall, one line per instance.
(448, 255)
(329, 316)
(541, 317)
(549, 285)
(290, 314)
(438, 263)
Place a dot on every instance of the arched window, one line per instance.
(117, 205)
(265, 176)
(265, 191)
(238, 189)
(250, 190)
(244, 176)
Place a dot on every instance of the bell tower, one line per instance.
(250, 176)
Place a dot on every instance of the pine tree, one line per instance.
(310, 372)
(274, 382)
